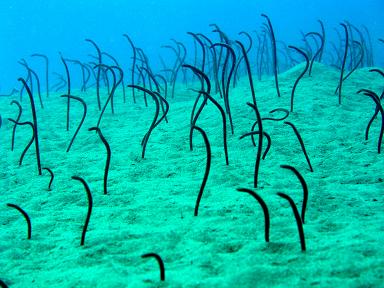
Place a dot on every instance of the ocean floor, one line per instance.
(150, 202)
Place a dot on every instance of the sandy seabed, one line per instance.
(151, 201)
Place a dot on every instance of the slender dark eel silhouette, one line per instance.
(376, 99)
(263, 206)
(159, 261)
(298, 219)
(248, 70)
(106, 170)
(30, 141)
(305, 189)
(46, 69)
(344, 59)
(154, 121)
(82, 119)
(274, 50)
(133, 66)
(27, 219)
(302, 73)
(266, 136)
(318, 52)
(207, 168)
(301, 143)
(90, 204)
(17, 120)
(112, 92)
(260, 142)
(36, 138)
(98, 71)
(68, 89)
(226, 89)
(52, 177)
(270, 118)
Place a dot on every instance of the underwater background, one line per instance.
(163, 154)
(50, 27)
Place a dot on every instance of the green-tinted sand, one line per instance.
(151, 201)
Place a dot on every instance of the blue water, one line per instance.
(50, 27)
